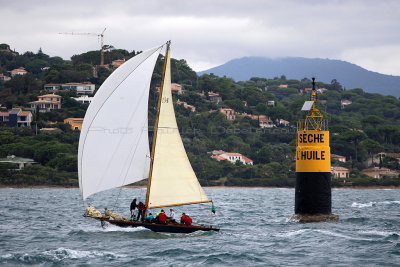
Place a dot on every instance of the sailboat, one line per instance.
(114, 147)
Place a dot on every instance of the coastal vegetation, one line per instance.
(359, 130)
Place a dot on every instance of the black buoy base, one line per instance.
(315, 218)
(313, 193)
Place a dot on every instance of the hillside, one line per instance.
(261, 126)
(325, 70)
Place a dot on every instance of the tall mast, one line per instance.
(156, 128)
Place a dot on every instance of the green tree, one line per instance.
(354, 137)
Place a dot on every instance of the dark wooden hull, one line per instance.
(164, 228)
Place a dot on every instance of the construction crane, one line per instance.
(99, 35)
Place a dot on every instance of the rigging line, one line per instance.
(101, 106)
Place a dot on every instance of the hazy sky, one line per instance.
(210, 32)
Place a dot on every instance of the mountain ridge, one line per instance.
(325, 70)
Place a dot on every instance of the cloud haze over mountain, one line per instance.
(211, 32)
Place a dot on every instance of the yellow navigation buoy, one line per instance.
(313, 165)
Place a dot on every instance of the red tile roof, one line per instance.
(232, 154)
(219, 158)
(24, 113)
(246, 159)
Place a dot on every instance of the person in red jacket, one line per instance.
(141, 207)
(183, 218)
(162, 217)
(186, 219)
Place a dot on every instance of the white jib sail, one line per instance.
(173, 180)
(113, 145)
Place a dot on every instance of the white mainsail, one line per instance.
(113, 145)
(173, 180)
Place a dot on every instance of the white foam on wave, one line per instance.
(6, 256)
(373, 203)
(362, 205)
(61, 254)
(379, 233)
(336, 234)
(112, 228)
(324, 232)
(390, 202)
(293, 233)
(65, 253)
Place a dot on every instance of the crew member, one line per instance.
(172, 215)
(162, 217)
(141, 208)
(188, 220)
(149, 218)
(133, 207)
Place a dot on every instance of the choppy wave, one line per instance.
(56, 255)
(293, 233)
(380, 233)
(373, 203)
(255, 231)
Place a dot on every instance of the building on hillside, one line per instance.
(117, 63)
(46, 103)
(265, 122)
(75, 123)
(345, 102)
(217, 152)
(176, 88)
(20, 162)
(84, 99)
(380, 173)
(321, 90)
(231, 157)
(16, 118)
(340, 172)
(270, 103)
(19, 71)
(338, 158)
(4, 78)
(50, 130)
(186, 105)
(214, 97)
(53, 86)
(282, 122)
(229, 113)
(80, 88)
(200, 94)
(307, 90)
(381, 155)
(283, 86)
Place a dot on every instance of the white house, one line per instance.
(20, 162)
(80, 88)
(19, 71)
(232, 158)
(84, 99)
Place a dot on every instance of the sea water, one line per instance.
(45, 227)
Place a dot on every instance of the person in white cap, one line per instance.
(172, 215)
